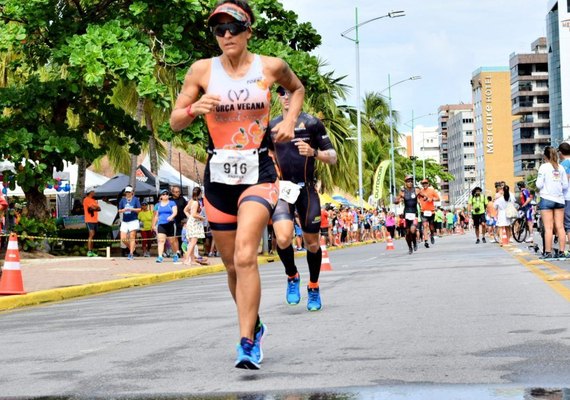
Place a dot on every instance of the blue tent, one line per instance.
(114, 188)
(343, 200)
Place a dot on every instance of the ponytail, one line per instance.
(552, 156)
(506, 193)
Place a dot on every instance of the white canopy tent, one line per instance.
(68, 175)
(168, 173)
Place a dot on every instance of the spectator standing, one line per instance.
(449, 217)
(163, 222)
(491, 218)
(501, 203)
(180, 201)
(325, 228)
(91, 213)
(564, 151)
(129, 207)
(194, 227)
(552, 181)
(525, 202)
(145, 218)
(391, 224)
(438, 220)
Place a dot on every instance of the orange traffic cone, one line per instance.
(11, 281)
(504, 238)
(325, 262)
(389, 243)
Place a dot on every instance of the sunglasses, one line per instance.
(235, 28)
(282, 92)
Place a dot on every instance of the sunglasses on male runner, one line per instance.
(235, 28)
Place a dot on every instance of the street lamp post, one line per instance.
(393, 167)
(391, 14)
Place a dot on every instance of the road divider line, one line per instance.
(558, 287)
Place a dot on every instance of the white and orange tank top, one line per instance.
(241, 118)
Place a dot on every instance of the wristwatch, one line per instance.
(315, 152)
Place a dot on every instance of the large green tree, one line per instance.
(66, 60)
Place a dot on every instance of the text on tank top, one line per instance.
(241, 118)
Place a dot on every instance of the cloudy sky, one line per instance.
(444, 41)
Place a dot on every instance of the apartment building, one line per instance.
(461, 155)
(530, 107)
(558, 38)
(445, 112)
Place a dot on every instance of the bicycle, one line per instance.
(519, 227)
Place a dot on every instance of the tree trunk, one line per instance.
(81, 176)
(134, 165)
(152, 155)
(37, 204)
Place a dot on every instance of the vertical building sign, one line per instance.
(488, 107)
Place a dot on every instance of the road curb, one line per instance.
(53, 295)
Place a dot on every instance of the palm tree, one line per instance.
(324, 105)
(376, 137)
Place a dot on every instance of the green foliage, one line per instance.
(35, 228)
(71, 58)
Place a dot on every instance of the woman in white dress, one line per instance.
(501, 204)
(194, 227)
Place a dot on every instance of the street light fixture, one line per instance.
(391, 14)
(393, 167)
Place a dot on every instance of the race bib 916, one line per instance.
(234, 167)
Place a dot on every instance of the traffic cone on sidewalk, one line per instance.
(325, 262)
(11, 281)
(389, 243)
(504, 238)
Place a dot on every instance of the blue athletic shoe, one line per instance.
(175, 258)
(130, 257)
(159, 259)
(245, 358)
(293, 291)
(257, 351)
(314, 301)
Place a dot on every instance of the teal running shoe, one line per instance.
(314, 301)
(257, 351)
(245, 358)
(159, 259)
(293, 290)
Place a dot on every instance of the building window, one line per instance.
(543, 115)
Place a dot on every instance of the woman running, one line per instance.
(232, 91)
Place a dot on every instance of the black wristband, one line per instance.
(315, 152)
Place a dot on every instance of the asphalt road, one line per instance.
(457, 315)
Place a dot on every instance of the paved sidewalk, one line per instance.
(61, 272)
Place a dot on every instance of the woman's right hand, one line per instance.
(207, 103)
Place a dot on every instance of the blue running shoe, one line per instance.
(293, 291)
(159, 259)
(130, 257)
(245, 358)
(175, 258)
(257, 351)
(314, 301)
